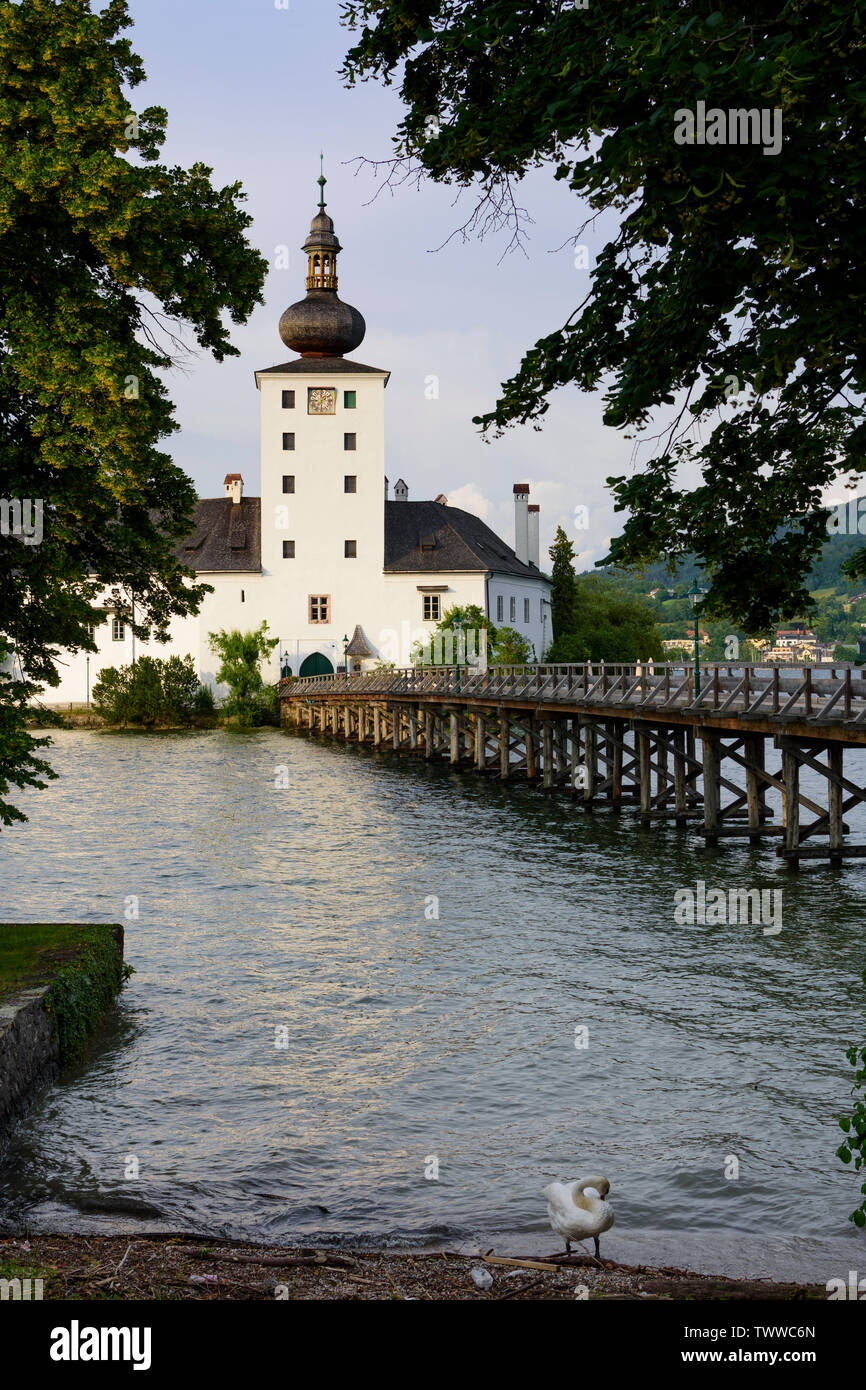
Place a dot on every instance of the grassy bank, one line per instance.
(82, 964)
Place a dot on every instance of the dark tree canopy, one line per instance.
(725, 320)
(106, 257)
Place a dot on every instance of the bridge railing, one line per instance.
(817, 693)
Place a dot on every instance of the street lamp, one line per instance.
(458, 624)
(696, 593)
(346, 656)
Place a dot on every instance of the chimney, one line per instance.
(401, 492)
(521, 521)
(234, 486)
(534, 552)
(386, 489)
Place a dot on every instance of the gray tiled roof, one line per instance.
(227, 536)
(321, 366)
(460, 541)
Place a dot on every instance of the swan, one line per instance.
(575, 1216)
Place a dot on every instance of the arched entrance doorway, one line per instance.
(316, 665)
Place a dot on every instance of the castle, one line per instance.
(340, 570)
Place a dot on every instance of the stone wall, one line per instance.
(30, 1038)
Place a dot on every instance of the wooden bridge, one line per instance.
(625, 736)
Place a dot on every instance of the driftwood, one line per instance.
(520, 1264)
(321, 1259)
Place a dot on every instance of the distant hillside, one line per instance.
(826, 574)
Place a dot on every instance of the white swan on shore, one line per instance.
(575, 1216)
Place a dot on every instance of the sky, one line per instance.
(253, 91)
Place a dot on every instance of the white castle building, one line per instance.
(330, 561)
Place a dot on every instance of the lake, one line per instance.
(354, 973)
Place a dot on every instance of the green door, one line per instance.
(316, 665)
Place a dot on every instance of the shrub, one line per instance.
(152, 691)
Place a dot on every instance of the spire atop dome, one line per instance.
(321, 325)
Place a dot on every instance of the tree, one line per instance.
(732, 288)
(107, 258)
(249, 699)
(562, 584)
(510, 648)
(472, 619)
(608, 624)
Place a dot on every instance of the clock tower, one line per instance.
(323, 464)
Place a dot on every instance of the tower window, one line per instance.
(243, 596)
(288, 482)
(288, 550)
(320, 608)
(350, 400)
(526, 610)
(350, 441)
(288, 441)
(500, 608)
(432, 612)
(350, 550)
(350, 482)
(288, 400)
(118, 629)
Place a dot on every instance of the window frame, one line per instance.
(434, 602)
(288, 550)
(289, 484)
(288, 400)
(319, 599)
(353, 479)
(118, 629)
(350, 404)
(350, 554)
(288, 441)
(350, 448)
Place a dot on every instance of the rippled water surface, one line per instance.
(305, 915)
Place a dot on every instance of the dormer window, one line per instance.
(427, 542)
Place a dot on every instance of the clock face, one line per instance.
(322, 400)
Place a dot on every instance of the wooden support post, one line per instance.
(791, 777)
(680, 772)
(531, 749)
(413, 729)
(455, 740)
(480, 742)
(616, 770)
(644, 760)
(756, 788)
(377, 726)
(504, 747)
(396, 719)
(692, 769)
(429, 729)
(589, 764)
(662, 782)
(712, 786)
(834, 795)
(547, 755)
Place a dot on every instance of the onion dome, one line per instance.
(321, 325)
